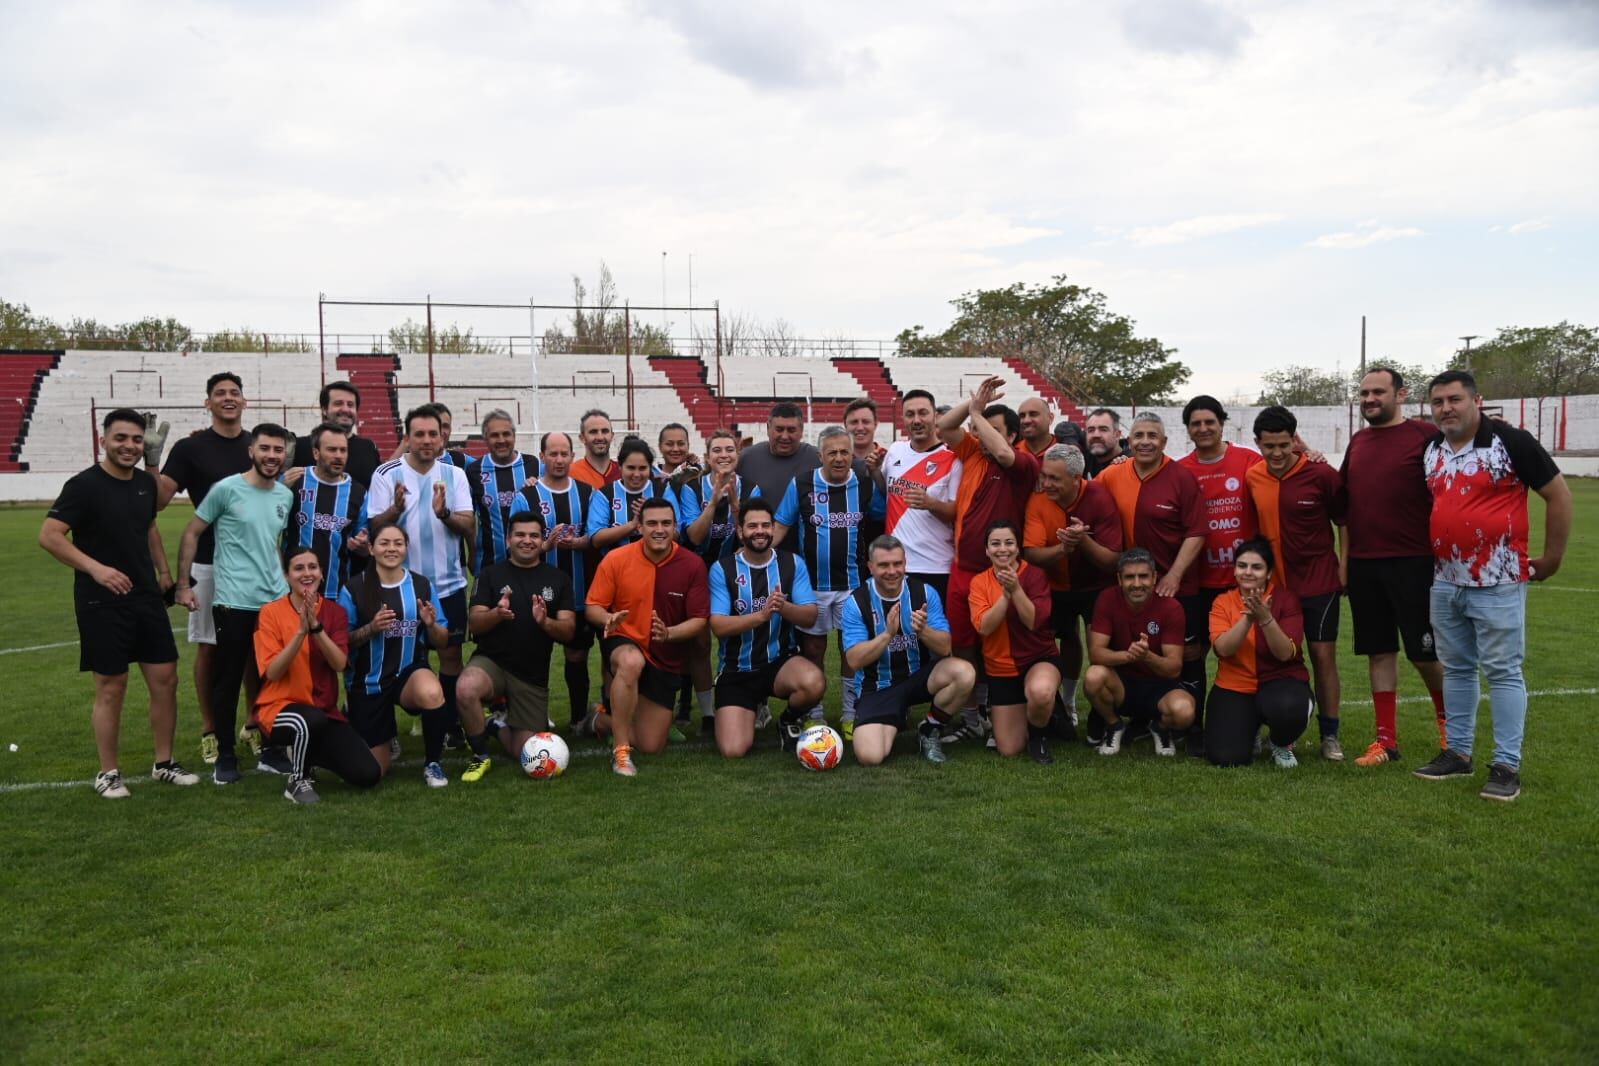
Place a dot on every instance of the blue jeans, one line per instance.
(1483, 629)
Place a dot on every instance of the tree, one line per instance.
(1415, 375)
(1302, 386)
(411, 336)
(1064, 331)
(21, 328)
(600, 329)
(1560, 360)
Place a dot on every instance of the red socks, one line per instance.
(1386, 704)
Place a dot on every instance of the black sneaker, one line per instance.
(1094, 733)
(1038, 747)
(1447, 763)
(788, 734)
(226, 770)
(1504, 784)
(301, 792)
(274, 761)
(454, 739)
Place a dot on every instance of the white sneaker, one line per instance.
(1165, 744)
(173, 774)
(109, 784)
(434, 775)
(1113, 737)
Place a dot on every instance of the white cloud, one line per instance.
(1190, 229)
(1364, 236)
(1531, 225)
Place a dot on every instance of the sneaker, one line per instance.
(1094, 734)
(252, 737)
(1113, 737)
(991, 744)
(1378, 754)
(675, 735)
(109, 784)
(301, 792)
(173, 774)
(226, 771)
(1332, 749)
(395, 750)
(1038, 748)
(274, 761)
(1165, 743)
(454, 739)
(1284, 757)
(622, 761)
(208, 748)
(965, 732)
(763, 717)
(1504, 784)
(1447, 763)
(788, 734)
(476, 768)
(933, 748)
(434, 775)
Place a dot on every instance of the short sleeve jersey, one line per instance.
(1253, 664)
(582, 471)
(110, 522)
(566, 507)
(988, 492)
(361, 465)
(865, 613)
(1479, 503)
(831, 520)
(1160, 620)
(612, 506)
(740, 588)
(1013, 647)
(521, 646)
(721, 539)
(1158, 513)
(379, 661)
(1297, 513)
(325, 515)
(1095, 509)
(435, 550)
(1229, 514)
(494, 492)
(198, 462)
(674, 588)
(310, 679)
(929, 540)
(1387, 500)
(249, 523)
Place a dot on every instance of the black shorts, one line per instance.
(583, 635)
(1008, 691)
(937, 581)
(1070, 606)
(455, 616)
(1389, 599)
(119, 630)
(748, 688)
(891, 706)
(1321, 617)
(654, 684)
(1144, 694)
(372, 713)
(1196, 617)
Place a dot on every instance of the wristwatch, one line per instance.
(314, 630)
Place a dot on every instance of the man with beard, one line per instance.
(1036, 436)
(329, 513)
(248, 512)
(496, 480)
(340, 402)
(594, 467)
(1103, 430)
(922, 478)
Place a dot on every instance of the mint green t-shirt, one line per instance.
(249, 525)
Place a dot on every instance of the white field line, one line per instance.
(1561, 588)
(58, 644)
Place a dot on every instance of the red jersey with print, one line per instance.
(1297, 513)
(1229, 516)
(1159, 512)
(1386, 500)
(987, 493)
(1479, 503)
(1160, 620)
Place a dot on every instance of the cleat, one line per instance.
(395, 750)
(1038, 748)
(675, 735)
(301, 792)
(173, 774)
(252, 737)
(788, 734)
(933, 748)
(109, 784)
(476, 768)
(847, 729)
(1284, 757)
(966, 732)
(1332, 749)
(1378, 754)
(1113, 737)
(208, 748)
(622, 761)
(274, 761)
(1504, 784)
(1165, 743)
(1447, 763)
(1094, 733)
(434, 775)
(226, 771)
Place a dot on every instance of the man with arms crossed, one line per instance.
(121, 573)
(1136, 649)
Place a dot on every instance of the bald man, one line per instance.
(1037, 434)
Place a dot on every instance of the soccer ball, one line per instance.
(819, 748)
(545, 755)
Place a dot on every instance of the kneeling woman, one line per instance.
(1010, 604)
(1258, 631)
(301, 643)
(394, 618)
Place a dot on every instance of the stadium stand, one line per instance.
(22, 374)
(380, 411)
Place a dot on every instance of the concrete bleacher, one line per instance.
(22, 376)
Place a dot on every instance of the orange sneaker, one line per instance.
(1443, 735)
(1378, 754)
(622, 761)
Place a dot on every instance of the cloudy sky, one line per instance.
(1245, 179)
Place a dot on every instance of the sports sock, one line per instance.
(435, 723)
(1386, 704)
(1037, 733)
(480, 744)
(1327, 724)
(1068, 690)
(707, 701)
(851, 693)
(980, 693)
(577, 689)
(1437, 695)
(447, 682)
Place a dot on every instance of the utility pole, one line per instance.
(1468, 338)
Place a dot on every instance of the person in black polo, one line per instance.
(341, 405)
(109, 510)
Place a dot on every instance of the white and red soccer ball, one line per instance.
(545, 755)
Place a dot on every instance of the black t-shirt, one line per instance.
(199, 461)
(110, 522)
(520, 646)
(361, 465)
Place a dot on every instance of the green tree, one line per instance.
(600, 327)
(1302, 386)
(410, 336)
(21, 328)
(1560, 360)
(1415, 375)
(1064, 331)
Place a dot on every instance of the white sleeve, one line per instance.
(459, 497)
(948, 488)
(379, 494)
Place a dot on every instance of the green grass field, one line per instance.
(1131, 909)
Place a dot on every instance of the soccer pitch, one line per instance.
(1127, 909)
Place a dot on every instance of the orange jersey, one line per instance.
(1013, 647)
(1253, 663)
(987, 493)
(309, 679)
(675, 588)
(594, 479)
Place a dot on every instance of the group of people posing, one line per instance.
(984, 567)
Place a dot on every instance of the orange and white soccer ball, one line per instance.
(819, 748)
(545, 755)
